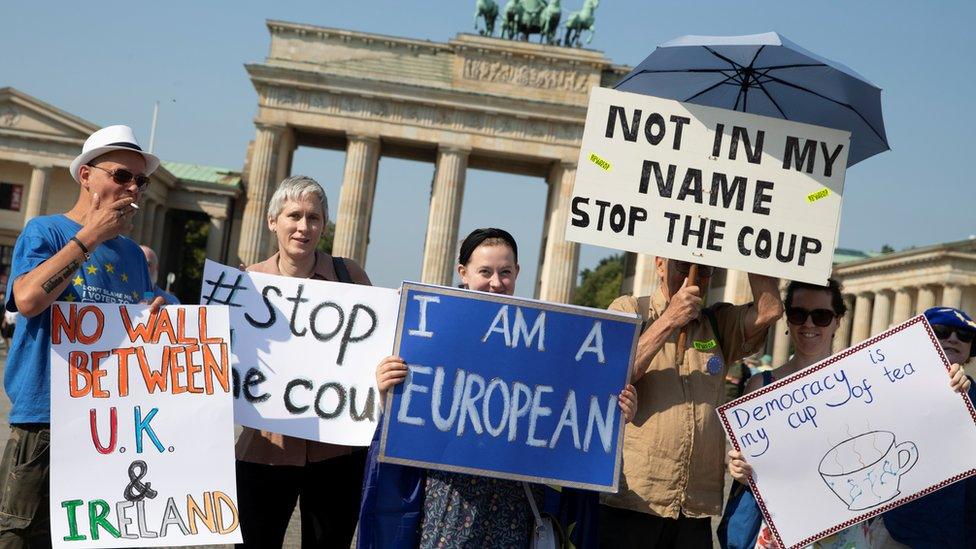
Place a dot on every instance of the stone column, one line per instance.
(926, 299)
(881, 314)
(842, 337)
(159, 228)
(255, 236)
(356, 198)
(861, 326)
(952, 296)
(781, 342)
(148, 222)
(903, 306)
(37, 193)
(215, 238)
(561, 263)
(646, 279)
(447, 193)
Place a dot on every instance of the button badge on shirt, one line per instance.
(715, 365)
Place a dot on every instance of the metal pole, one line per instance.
(152, 130)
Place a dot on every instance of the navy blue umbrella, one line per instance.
(769, 75)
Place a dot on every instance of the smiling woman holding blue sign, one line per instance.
(442, 509)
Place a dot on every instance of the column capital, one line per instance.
(42, 166)
(363, 137)
(277, 129)
(453, 149)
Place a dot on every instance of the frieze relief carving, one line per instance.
(395, 112)
(542, 77)
(9, 116)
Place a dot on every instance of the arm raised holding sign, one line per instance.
(676, 433)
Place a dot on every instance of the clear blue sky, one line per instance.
(108, 61)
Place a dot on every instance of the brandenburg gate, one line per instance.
(473, 102)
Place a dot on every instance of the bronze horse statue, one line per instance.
(579, 21)
(487, 10)
(512, 19)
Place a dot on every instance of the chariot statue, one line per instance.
(523, 18)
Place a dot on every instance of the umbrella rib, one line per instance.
(723, 58)
(773, 101)
(793, 66)
(645, 71)
(754, 57)
(820, 95)
(710, 88)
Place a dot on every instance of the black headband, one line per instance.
(478, 236)
(124, 144)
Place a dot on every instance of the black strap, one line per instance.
(342, 273)
(767, 377)
(710, 315)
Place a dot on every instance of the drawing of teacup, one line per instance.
(865, 471)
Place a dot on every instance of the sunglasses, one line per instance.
(944, 332)
(703, 270)
(820, 317)
(123, 177)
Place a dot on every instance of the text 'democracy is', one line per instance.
(509, 388)
(707, 185)
(304, 352)
(142, 430)
(856, 435)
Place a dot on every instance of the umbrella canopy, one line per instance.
(769, 75)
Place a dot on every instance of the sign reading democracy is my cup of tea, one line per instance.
(142, 430)
(851, 437)
(707, 185)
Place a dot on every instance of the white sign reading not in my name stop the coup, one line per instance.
(707, 185)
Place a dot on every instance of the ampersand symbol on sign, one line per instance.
(136, 490)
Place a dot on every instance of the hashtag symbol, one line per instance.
(219, 285)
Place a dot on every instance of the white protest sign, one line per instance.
(855, 435)
(707, 185)
(305, 352)
(142, 427)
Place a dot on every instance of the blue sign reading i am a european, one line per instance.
(509, 388)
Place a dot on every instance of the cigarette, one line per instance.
(134, 206)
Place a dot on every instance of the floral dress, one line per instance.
(463, 511)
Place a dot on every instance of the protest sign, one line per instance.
(142, 430)
(710, 186)
(305, 352)
(509, 388)
(856, 435)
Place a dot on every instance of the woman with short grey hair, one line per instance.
(275, 470)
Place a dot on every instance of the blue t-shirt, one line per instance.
(116, 273)
(170, 298)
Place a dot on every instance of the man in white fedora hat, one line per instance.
(79, 255)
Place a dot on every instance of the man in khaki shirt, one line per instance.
(674, 450)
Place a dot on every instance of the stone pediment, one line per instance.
(24, 116)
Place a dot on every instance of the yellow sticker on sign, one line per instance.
(595, 158)
(822, 193)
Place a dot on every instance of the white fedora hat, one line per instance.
(111, 138)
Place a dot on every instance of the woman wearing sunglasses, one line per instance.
(813, 315)
(947, 517)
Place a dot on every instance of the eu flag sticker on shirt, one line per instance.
(715, 365)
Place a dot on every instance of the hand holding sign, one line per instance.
(709, 186)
